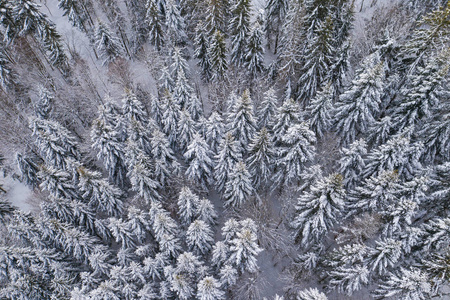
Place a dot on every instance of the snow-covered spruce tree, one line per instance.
(238, 187)
(187, 205)
(55, 143)
(57, 182)
(339, 69)
(166, 164)
(380, 131)
(319, 209)
(195, 108)
(182, 92)
(294, 154)
(156, 110)
(422, 93)
(99, 193)
(318, 58)
(407, 284)
(107, 43)
(383, 257)
(186, 130)
(359, 106)
(175, 22)
(199, 158)
(201, 44)
(171, 115)
(141, 174)
(311, 294)
(376, 193)
(242, 121)
(430, 35)
(227, 156)
(108, 142)
(216, 16)
(133, 109)
(154, 21)
(348, 280)
(288, 115)
(74, 10)
(267, 110)
(44, 104)
(209, 288)
(351, 163)
(218, 55)
(178, 64)
(261, 158)
(28, 170)
(239, 28)
(214, 130)
(275, 11)
(244, 250)
(396, 154)
(166, 81)
(205, 211)
(436, 135)
(319, 111)
(254, 60)
(199, 237)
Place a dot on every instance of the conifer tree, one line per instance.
(171, 115)
(175, 22)
(407, 284)
(187, 205)
(206, 212)
(311, 294)
(288, 115)
(55, 143)
(243, 123)
(358, 107)
(437, 133)
(227, 157)
(107, 44)
(267, 110)
(385, 255)
(165, 161)
(318, 58)
(239, 28)
(199, 237)
(141, 175)
(108, 142)
(347, 280)
(209, 289)
(261, 158)
(195, 108)
(182, 92)
(179, 64)
(44, 104)
(99, 193)
(244, 250)
(275, 11)
(74, 11)
(319, 209)
(352, 162)
(201, 44)
(238, 188)
(7, 75)
(186, 130)
(218, 57)
(216, 15)
(319, 111)
(154, 22)
(199, 158)
(421, 94)
(296, 152)
(396, 154)
(380, 131)
(254, 50)
(28, 170)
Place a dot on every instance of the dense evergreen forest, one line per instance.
(224, 149)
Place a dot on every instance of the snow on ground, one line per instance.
(18, 193)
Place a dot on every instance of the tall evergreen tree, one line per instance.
(155, 24)
(239, 28)
(201, 44)
(227, 156)
(261, 158)
(319, 111)
(254, 51)
(218, 57)
(107, 44)
(199, 158)
(358, 107)
(242, 121)
(267, 110)
(318, 58)
(238, 188)
(319, 209)
(275, 11)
